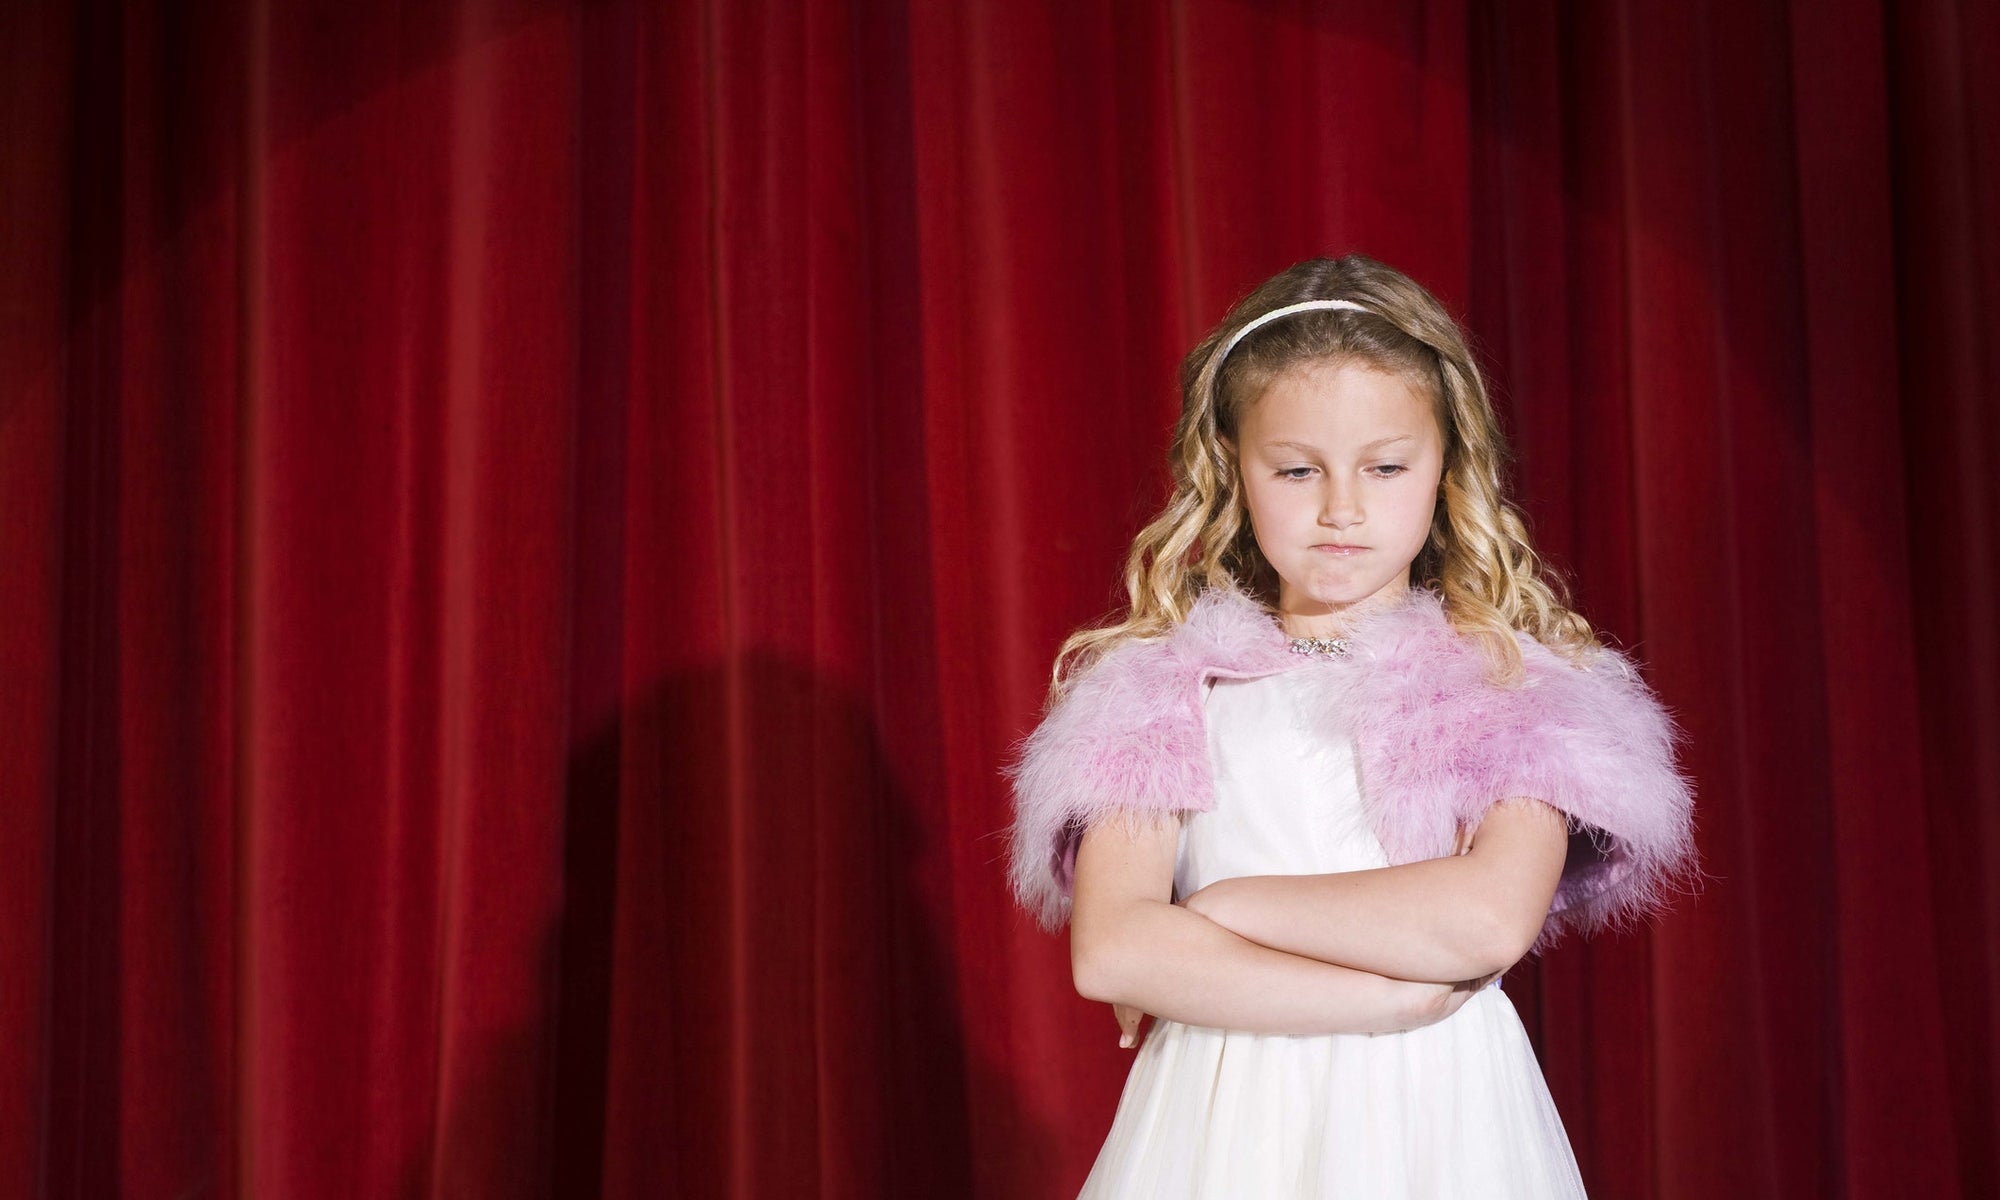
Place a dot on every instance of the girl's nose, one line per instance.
(1340, 505)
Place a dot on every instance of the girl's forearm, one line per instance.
(1420, 921)
(1178, 964)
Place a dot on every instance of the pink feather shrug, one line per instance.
(1435, 744)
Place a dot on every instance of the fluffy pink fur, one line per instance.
(1435, 744)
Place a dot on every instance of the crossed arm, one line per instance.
(1307, 953)
(1442, 919)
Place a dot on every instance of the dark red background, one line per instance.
(529, 528)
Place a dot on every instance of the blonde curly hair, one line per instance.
(1477, 558)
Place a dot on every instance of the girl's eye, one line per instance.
(1389, 471)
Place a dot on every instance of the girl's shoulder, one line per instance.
(1224, 630)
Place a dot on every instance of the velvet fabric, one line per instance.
(528, 528)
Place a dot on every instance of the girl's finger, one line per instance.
(1128, 1024)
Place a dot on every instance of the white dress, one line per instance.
(1458, 1108)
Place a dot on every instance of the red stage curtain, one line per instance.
(529, 529)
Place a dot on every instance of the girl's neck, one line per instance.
(1338, 622)
(1316, 625)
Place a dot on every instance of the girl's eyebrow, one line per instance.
(1291, 445)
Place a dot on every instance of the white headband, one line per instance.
(1274, 314)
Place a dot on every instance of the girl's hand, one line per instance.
(1433, 1002)
(1128, 1024)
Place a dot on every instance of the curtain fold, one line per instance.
(531, 528)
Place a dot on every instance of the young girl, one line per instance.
(1347, 758)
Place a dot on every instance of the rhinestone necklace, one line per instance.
(1320, 645)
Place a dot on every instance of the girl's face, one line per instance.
(1339, 455)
